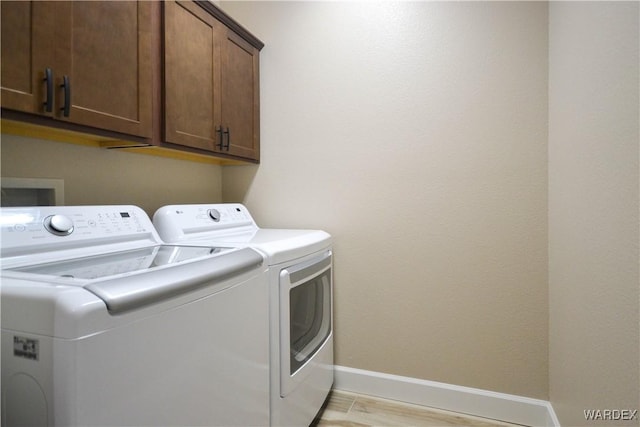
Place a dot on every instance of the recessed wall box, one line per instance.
(32, 192)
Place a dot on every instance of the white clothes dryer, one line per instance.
(301, 286)
(102, 324)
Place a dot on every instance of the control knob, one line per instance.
(59, 225)
(214, 214)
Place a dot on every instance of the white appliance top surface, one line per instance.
(113, 252)
(231, 224)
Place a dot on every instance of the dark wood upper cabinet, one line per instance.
(191, 89)
(97, 55)
(240, 97)
(108, 63)
(177, 75)
(27, 49)
(211, 83)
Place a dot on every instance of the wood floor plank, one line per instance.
(345, 409)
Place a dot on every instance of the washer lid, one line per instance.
(79, 271)
(130, 279)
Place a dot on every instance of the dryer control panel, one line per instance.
(44, 228)
(175, 223)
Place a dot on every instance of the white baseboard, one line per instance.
(467, 400)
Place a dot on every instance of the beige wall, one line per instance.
(415, 133)
(99, 176)
(593, 209)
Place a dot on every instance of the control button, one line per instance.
(214, 214)
(19, 227)
(59, 225)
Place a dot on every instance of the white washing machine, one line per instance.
(104, 325)
(300, 272)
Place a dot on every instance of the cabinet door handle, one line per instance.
(66, 85)
(48, 79)
(228, 132)
(219, 133)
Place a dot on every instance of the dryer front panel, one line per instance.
(305, 318)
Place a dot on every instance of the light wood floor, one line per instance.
(355, 410)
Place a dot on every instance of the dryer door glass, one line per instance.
(309, 318)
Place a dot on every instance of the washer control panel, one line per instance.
(176, 222)
(52, 225)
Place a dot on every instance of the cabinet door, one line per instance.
(104, 48)
(27, 30)
(240, 96)
(191, 87)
